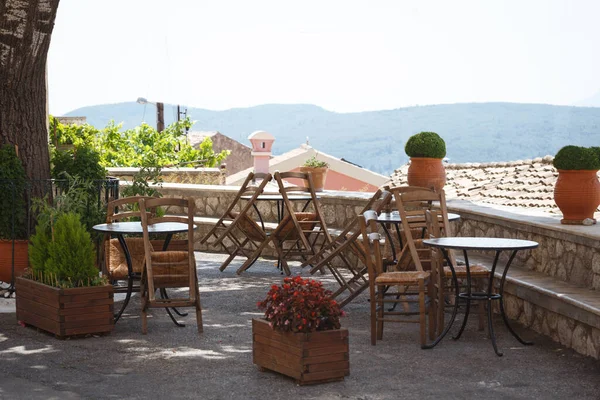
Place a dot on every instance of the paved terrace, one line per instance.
(173, 362)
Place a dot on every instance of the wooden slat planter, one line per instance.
(315, 357)
(65, 312)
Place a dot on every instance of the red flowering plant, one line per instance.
(301, 305)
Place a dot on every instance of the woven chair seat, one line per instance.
(249, 227)
(307, 222)
(476, 270)
(401, 277)
(117, 265)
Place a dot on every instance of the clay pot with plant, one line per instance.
(577, 189)
(13, 215)
(301, 321)
(318, 170)
(426, 151)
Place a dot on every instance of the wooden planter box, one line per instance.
(65, 312)
(315, 357)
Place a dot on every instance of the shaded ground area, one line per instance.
(173, 362)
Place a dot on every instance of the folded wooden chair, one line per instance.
(352, 278)
(478, 273)
(237, 231)
(382, 283)
(299, 233)
(172, 268)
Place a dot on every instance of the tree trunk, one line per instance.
(25, 30)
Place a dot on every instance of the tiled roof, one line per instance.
(523, 183)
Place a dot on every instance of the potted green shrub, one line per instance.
(318, 170)
(577, 190)
(63, 292)
(301, 336)
(13, 228)
(426, 151)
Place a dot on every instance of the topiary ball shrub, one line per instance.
(426, 144)
(577, 158)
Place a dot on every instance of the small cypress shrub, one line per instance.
(577, 158)
(63, 253)
(425, 144)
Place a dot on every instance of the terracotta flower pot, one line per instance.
(426, 172)
(21, 259)
(319, 175)
(577, 194)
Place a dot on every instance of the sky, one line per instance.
(342, 55)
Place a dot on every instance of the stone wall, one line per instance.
(204, 176)
(571, 254)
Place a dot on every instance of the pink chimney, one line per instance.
(261, 150)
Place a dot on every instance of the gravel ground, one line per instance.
(172, 362)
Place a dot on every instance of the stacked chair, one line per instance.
(299, 233)
(352, 277)
(237, 231)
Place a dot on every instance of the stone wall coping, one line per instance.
(164, 171)
(564, 298)
(534, 222)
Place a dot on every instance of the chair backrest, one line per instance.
(372, 243)
(291, 227)
(253, 186)
(125, 208)
(412, 204)
(169, 268)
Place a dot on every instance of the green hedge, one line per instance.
(426, 144)
(577, 158)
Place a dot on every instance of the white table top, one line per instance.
(480, 243)
(136, 227)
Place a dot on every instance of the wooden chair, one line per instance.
(352, 279)
(478, 273)
(115, 265)
(237, 231)
(381, 282)
(169, 269)
(297, 233)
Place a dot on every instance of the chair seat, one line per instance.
(401, 277)
(250, 228)
(461, 271)
(117, 267)
(307, 222)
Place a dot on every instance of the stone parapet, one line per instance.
(204, 176)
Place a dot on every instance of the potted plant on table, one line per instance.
(318, 169)
(577, 190)
(426, 151)
(301, 335)
(13, 230)
(63, 292)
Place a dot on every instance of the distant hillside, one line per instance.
(474, 132)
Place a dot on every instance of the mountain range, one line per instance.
(474, 132)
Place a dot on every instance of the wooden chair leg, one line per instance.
(431, 309)
(422, 310)
(198, 309)
(373, 319)
(144, 298)
(380, 309)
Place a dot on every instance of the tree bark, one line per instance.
(25, 30)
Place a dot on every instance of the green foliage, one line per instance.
(75, 197)
(71, 134)
(144, 146)
(314, 163)
(425, 144)
(82, 161)
(12, 201)
(140, 185)
(65, 252)
(577, 158)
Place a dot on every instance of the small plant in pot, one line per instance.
(577, 190)
(301, 316)
(426, 151)
(318, 169)
(13, 215)
(63, 292)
